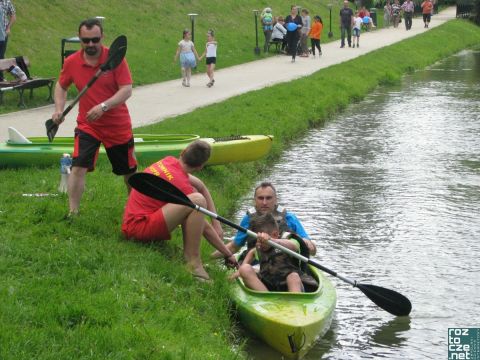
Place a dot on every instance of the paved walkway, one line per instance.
(153, 103)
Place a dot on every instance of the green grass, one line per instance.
(78, 290)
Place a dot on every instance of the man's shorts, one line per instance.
(148, 228)
(85, 154)
(356, 32)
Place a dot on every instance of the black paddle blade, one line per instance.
(116, 53)
(51, 129)
(158, 188)
(389, 300)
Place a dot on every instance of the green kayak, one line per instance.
(288, 322)
(19, 151)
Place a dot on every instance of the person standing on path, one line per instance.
(346, 23)
(387, 14)
(188, 56)
(315, 35)
(307, 21)
(427, 9)
(8, 14)
(294, 25)
(103, 116)
(211, 56)
(357, 26)
(408, 8)
(267, 24)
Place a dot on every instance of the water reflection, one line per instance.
(393, 193)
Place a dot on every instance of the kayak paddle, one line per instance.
(116, 53)
(160, 189)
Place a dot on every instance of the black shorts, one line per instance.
(86, 149)
(427, 17)
(211, 60)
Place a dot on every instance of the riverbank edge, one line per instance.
(77, 290)
(234, 182)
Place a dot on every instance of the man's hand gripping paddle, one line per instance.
(117, 52)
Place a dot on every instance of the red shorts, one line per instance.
(147, 228)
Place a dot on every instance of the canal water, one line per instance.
(390, 189)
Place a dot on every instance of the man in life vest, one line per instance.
(278, 270)
(265, 197)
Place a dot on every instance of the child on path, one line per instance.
(357, 25)
(278, 271)
(315, 35)
(211, 56)
(188, 54)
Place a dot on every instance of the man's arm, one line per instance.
(120, 97)
(12, 19)
(60, 97)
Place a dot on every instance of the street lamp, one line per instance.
(330, 33)
(192, 19)
(257, 49)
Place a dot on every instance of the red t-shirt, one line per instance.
(115, 125)
(139, 205)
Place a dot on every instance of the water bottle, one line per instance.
(65, 169)
(17, 73)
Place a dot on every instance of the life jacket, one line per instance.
(276, 264)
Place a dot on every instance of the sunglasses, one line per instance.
(94, 40)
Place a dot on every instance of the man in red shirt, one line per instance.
(147, 219)
(103, 116)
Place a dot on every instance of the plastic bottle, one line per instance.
(65, 169)
(17, 73)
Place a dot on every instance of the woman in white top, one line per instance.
(211, 56)
(188, 56)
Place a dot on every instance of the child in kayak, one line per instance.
(278, 271)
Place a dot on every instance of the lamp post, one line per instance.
(192, 19)
(330, 33)
(257, 49)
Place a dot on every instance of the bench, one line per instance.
(277, 43)
(21, 86)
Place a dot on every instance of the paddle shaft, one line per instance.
(274, 244)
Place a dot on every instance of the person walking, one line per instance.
(211, 56)
(427, 9)
(294, 25)
(396, 13)
(8, 17)
(387, 14)
(346, 24)
(149, 220)
(103, 116)
(408, 8)
(315, 34)
(188, 55)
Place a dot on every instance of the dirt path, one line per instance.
(153, 103)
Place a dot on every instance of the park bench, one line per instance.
(277, 43)
(21, 86)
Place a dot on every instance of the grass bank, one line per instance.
(153, 29)
(78, 290)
